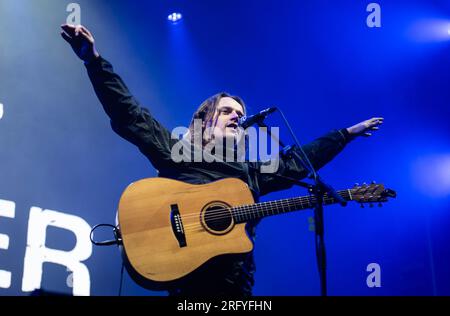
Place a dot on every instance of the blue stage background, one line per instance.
(316, 60)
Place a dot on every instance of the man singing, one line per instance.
(230, 275)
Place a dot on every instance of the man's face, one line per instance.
(227, 116)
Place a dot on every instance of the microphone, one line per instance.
(247, 121)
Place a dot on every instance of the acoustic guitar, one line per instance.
(170, 228)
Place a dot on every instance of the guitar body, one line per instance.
(164, 225)
(170, 228)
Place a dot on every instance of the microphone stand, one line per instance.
(318, 190)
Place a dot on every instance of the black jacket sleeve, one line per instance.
(320, 152)
(128, 118)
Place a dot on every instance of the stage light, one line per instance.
(175, 17)
(432, 175)
(430, 30)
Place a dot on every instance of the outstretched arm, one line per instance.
(128, 118)
(114, 95)
(365, 128)
(320, 152)
(81, 40)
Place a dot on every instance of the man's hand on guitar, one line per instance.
(366, 127)
(81, 40)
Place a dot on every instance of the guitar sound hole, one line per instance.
(218, 218)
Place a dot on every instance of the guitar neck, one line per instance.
(245, 213)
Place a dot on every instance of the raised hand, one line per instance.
(81, 40)
(366, 127)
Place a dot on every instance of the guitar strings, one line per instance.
(248, 208)
(243, 210)
(240, 211)
(220, 218)
(224, 213)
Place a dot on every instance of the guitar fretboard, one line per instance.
(245, 213)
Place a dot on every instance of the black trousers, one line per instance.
(225, 276)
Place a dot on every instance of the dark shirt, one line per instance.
(224, 275)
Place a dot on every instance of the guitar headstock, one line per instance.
(371, 193)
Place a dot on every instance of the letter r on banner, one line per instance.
(36, 252)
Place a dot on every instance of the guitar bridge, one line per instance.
(177, 225)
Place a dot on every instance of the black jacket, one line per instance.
(226, 275)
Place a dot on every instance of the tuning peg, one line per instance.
(380, 204)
